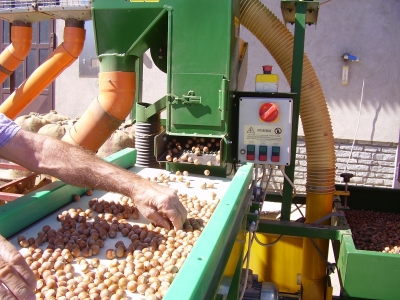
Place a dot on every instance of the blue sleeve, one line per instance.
(7, 129)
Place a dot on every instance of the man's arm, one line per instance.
(76, 166)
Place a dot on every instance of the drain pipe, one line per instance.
(58, 61)
(314, 114)
(17, 51)
(106, 113)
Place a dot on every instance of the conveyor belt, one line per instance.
(220, 187)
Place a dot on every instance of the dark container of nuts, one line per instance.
(368, 259)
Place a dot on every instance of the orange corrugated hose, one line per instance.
(106, 113)
(318, 136)
(17, 51)
(58, 61)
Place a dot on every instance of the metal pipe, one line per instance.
(313, 275)
(58, 61)
(17, 51)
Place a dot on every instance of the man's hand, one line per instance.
(76, 166)
(15, 274)
(159, 204)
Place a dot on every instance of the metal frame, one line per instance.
(39, 10)
(201, 273)
(297, 73)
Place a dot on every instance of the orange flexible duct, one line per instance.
(318, 136)
(106, 113)
(58, 61)
(17, 51)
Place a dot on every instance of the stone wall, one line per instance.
(371, 163)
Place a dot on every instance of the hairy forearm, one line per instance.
(70, 164)
(76, 166)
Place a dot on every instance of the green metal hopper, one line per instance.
(368, 274)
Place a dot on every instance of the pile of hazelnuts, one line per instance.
(375, 231)
(145, 258)
(195, 150)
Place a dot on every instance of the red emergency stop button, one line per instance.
(268, 112)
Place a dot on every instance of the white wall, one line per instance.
(366, 28)
(72, 94)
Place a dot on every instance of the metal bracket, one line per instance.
(189, 98)
(289, 7)
(318, 226)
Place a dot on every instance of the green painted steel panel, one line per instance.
(197, 117)
(372, 198)
(302, 229)
(16, 215)
(200, 275)
(197, 169)
(368, 274)
(118, 24)
(296, 83)
(203, 44)
(202, 36)
(24, 211)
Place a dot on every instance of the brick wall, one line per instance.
(371, 163)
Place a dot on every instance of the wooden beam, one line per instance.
(17, 181)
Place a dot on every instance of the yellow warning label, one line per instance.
(256, 135)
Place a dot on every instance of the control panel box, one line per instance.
(265, 130)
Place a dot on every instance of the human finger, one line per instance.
(157, 218)
(5, 293)
(174, 209)
(182, 212)
(10, 255)
(175, 217)
(15, 284)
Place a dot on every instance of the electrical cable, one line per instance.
(262, 176)
(298, 208)
(329, 266)
(282, 168)
(265, 191)
(268, 180)
(251, 238)
(358, 124)
(269, 244)
(254, 225)
(326, 2)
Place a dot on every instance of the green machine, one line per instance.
(196, 44)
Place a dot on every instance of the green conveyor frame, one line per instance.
(202, 271)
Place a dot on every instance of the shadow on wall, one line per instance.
(378, 109)
(147, 61)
